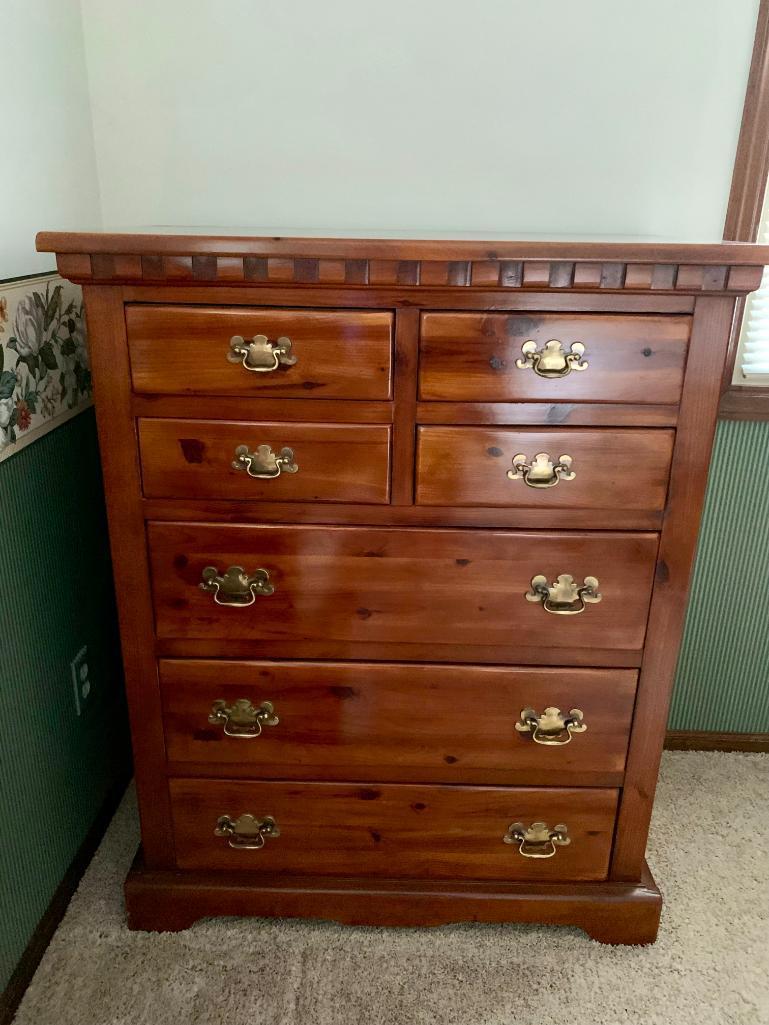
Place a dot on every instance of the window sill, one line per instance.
(738, 403)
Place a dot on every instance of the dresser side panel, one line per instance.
(122, 485)
(691, 461)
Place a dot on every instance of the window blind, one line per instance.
(752, 364)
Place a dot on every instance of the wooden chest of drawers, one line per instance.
(402, 535)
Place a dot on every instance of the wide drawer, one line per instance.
(473, 357)
(553, 469)
(391, 830)
(426, 723)
(206, 459)
(337, 585)
(333, 354)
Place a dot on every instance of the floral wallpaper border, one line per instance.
(45, 375)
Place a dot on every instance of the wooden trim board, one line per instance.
(707, 740)
(743, 213)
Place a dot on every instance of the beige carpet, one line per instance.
(710, 965)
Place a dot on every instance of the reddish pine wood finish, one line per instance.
(468, 466)
(193, 459)
(609, 912)
(344, 588)
(424, 645)
(397, 723)
(471, 357)
(395, 831)
(183, 350)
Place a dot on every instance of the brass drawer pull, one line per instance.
(235, 587)
(552, 361)
(537, 841)
(552, 728)
(247, 833)
(541, 472)
(241, 719)
(565, 597)
(260, 355)
(263, 463)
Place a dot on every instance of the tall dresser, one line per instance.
(402, 533)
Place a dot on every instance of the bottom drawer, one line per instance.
(392, 830)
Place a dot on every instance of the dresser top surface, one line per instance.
(397, 245)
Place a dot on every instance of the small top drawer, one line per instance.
(331, 354)
(558, 468)
(502, 357)
(279, 462)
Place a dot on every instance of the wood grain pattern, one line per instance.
(194, 459)
(342, 514)
(343, 585)
(445, 249)
(548, 414)
(712, 740)
(422, 642)
(625, 469)
(743, 212)
(448, 650)
(398, 723)
(122, 485)
(751, 162)
(387, 297)
(393, 830)
(471, 357)
(341, 354)
(406, 361)
(744, 403)
(257, 408)
(530, 414)
(691, 459)
(609, 912)
(314, 262)
(492, 273)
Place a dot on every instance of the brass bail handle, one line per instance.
(241, 719)
(537, 840)
(552, 360)
(552, 728)
(542, 471)
(264, 463)
(235, 587)
(247, 832)
(564, 597)
(260, 355)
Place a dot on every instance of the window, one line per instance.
(751, 368)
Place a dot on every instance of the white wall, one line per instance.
(605, 116)
(47, 163)
(601, 116)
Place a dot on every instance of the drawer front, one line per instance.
(349, 584)
(472, 357)
(607, 470)
(327, 463)
(392, 830)
(426, 723)
(344, 354)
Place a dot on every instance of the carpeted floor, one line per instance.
(710, 965)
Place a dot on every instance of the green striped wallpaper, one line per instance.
(723, 672)
(55, 767)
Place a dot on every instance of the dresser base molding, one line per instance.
(160, 900)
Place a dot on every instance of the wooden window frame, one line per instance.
(743, 213)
